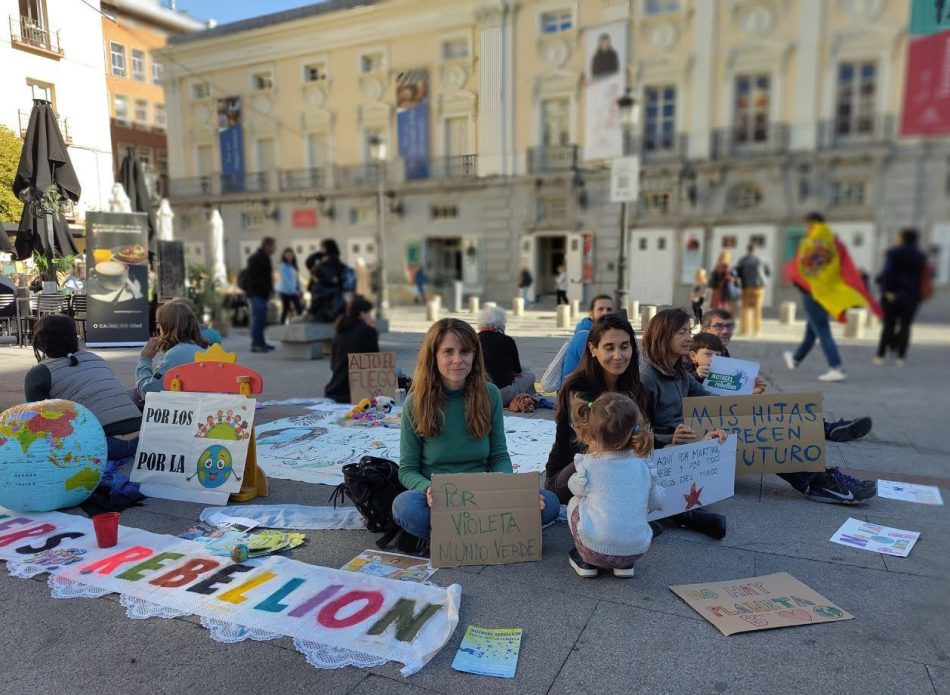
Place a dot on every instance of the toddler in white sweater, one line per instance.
(614, 487)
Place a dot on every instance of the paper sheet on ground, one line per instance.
(313, 448)
(402, 568)
(288, 516)
(731, 377)
(875, 538)
(489, 652)
(909, 492)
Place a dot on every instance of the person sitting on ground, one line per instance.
(354, 332)
(502, 362)
(64, 371)
(832, 485)
(614, 486)
(452, 422)
(601, 305)
(179, 339)
(703, 348)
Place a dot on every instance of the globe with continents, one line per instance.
(51, 455)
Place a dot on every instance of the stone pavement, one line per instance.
(603, 635)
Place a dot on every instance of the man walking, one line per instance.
(752, 273)
(259, 286)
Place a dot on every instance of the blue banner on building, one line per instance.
(412, 121)
(231, 138)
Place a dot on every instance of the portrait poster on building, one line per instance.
(231, 139)
(412, 121)
(116, 279)
(605, 56)
(193, 446)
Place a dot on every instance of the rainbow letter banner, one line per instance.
(335, 618)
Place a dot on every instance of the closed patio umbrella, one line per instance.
(219, 271)
(132, 179)
(165, 230)
(44, 170)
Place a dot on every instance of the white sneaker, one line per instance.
(789, 359)
(878, 360)
(835, 374)
(626, 574)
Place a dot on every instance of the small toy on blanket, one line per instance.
(378, 412)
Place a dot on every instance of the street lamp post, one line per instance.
(377, 149)
(629, 117)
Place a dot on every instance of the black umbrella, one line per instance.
(44, 174)
(132, 179)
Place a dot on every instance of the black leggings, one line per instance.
(895, 333)
(562, 297)
(288, 301)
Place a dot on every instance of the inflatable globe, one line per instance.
(51, 455)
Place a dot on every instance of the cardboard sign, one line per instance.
(694, 475)
(193, 446)
(731, 377)
(371, 374)
(759, 603)
(777, 432)
(485, 519)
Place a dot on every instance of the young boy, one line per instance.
(705, 346)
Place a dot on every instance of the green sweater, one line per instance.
(454, 450)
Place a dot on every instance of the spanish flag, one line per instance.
(823, 268)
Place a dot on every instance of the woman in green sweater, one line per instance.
(452, 422)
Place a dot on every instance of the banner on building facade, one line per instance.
(926, 109)
(929, 17)
(231, 138)
(412, 121)
(116, 279)
(605, 55)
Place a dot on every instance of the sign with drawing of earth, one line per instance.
(51, 455)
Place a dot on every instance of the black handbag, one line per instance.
(371, 485)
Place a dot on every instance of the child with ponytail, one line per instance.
(614, 487)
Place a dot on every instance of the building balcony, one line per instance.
(660, 148)
(62, 122)
(304, 179)
(847, 133)
(191, 187)
(736, 142)
(545, 158)
(36, 37)
(463, 166)
(244, 182)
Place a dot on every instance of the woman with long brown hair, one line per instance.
(179, 338)
(452, 422)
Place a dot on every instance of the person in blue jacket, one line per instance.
(601, 305)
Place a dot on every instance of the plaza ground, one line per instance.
(580, 636)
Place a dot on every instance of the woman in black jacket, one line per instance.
(900, 281)
(354, 333)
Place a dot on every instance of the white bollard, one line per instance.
(786, 313)
(563, 316)
(491, 304)
(647, 312)
(433, 309)
(473, 305)
(857, 318)
(517, 306)
(457, 288)
(633, 309)
(576, 309)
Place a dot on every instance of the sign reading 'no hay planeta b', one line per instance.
(335, 618)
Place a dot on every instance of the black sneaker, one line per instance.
(657, 528)
(708, 523)
(582, 568)
(837, 488)
(259, 348)
(846, 430)
(411, 544)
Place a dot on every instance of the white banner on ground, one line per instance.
(336, 618)
(605, 57)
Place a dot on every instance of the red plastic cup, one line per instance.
(107, 528)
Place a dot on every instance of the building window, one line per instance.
(138, 65)
(444, 212)
(118, 59)
(157, 71)
(456, 136)
(556, 122)
(654, 7)
(557, 20)
(659, 123)
(262, 81)
(315, 72)
(847, 194)
(363, 214)
(455, 49)
(42, 90)
(752, 109)
(371, 63)
(552, 208)
(745, 196)
(656, 202)
(857, 89)
(200, 90)
(121, 109)
(141, 111)
(252, 219)
(160, 116)
(318, 150)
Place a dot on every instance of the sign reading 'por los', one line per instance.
(371, 374)
(193, 446)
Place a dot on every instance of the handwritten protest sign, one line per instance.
(193, 446)
(778, 433)
(731, 377)
(342, 616)
(371, 374)
(485, 519)
(759, 603)
(694, 475)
